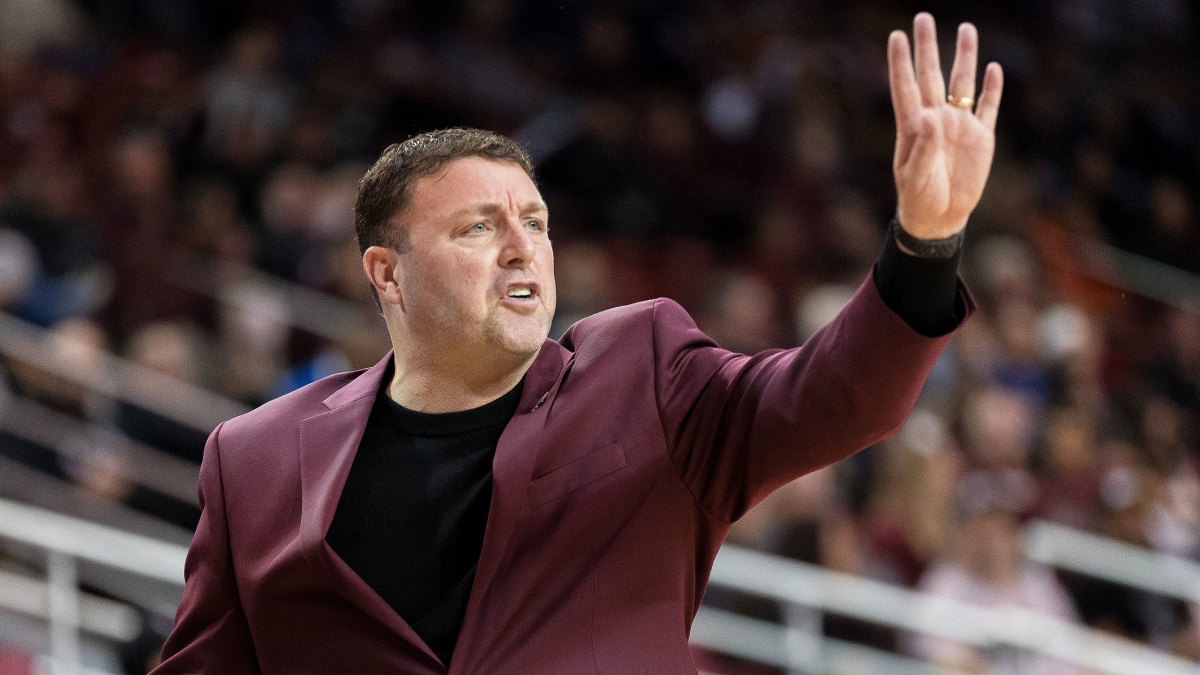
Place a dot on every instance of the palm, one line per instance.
(943, 151)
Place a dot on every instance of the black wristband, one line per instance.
(946, 247)
(922, 291)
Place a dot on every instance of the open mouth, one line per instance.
(521, 291)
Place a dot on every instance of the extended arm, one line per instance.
(738, 427)
(741, 426)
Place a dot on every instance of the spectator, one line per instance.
(987, 569)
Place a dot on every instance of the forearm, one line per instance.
(741, 426)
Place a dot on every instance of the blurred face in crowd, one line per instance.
(478, 279)
(992, 547)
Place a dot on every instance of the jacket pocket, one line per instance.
(576, 474)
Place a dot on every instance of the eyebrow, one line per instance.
(488, 208)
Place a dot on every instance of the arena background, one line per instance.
(176, 188)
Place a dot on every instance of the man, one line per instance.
(487, 500)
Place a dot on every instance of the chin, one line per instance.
(524, 338)
(525, 345)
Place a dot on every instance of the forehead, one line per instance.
(471, 182)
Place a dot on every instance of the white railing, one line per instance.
(120, 379)
(1138, 274)
(791, 647)
(803, 585)
(105, 618)
(67, 541)
(145, 465)
(1070, 549)
(311, 310)
(84, 540)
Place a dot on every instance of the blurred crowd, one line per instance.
(175, 175)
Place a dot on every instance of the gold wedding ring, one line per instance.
(960, 101)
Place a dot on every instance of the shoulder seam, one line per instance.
(662, 423)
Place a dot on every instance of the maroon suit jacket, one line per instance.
(637, 442)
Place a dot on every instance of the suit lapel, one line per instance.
(328, 443)
(512, 468)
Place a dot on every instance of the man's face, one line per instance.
(479, 277)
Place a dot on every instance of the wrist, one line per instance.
(923, 225)
(921, 247)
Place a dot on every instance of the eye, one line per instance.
(535, 225)
(477, 228)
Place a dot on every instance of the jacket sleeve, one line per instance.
(738, 427)
(211, 634)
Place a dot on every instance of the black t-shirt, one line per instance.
(411, 517)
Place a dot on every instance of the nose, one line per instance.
(518, 249)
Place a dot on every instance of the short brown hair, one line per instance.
(387, 186)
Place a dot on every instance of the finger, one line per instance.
(989, 100)
(966, 53)
(906, 98)
(928, 67)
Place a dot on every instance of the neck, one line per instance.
(425, 387)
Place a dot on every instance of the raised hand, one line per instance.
(944, 143)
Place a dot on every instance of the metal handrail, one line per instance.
(85, 540)
(1078, 551)
(121, 379)
(67, 541)
(807, 585)
(110, 619)
(148, 466)
(786, 647)
(26, 485)
(311, 310)
(748, 571)
(1138, 274)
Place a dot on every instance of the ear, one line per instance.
(382, 266)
